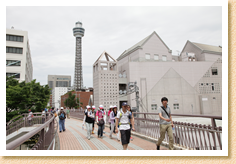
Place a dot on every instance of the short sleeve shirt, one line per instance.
(99, 114)
(163, 113)
(124, 120)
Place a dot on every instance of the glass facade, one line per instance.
(15, 75)
(50, 84)
(14, 50)
(62, 84)
(13, 63)
(14, 38)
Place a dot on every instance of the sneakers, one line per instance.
(158, 147)
(60, 131)
(101, 137)
(88, 138)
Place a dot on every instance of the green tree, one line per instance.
(72, 102)
(21, 96)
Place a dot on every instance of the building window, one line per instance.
(15, 75)
(164, 58)
(212, 87)
(214, 71)
(154, 106)
(13, 63)
(14, 38)
(14, 50)
(147, 56)
(156, 57)
(176, 106)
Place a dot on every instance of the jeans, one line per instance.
(100, 130)
(163, 129)
(89, 127)
(62, 125)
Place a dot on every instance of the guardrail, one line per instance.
(187, 135)
(24, 122)
(46, 131)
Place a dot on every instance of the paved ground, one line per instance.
(75, 138)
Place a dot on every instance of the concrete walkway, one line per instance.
(75, 138)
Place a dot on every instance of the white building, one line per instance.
(191, 83)
(105, 81)
(18, 55)
(57, 92)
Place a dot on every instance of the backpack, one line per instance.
(62, 116)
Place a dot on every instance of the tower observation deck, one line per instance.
(78, 32)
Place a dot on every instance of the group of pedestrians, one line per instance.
(121, 122)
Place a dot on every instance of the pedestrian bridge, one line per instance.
(186, 136)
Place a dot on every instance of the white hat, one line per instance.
(111, 106)
(93, 107)
(62, 108)
(88, 106)
(114, 106)
(101, 106)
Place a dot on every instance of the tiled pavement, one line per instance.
(75, 138)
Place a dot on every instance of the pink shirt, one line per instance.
(99, 114)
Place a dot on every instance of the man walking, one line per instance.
(124, 119)
(166, 123)
(62, 117)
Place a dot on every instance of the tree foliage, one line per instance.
(21, 96)
(71, 101)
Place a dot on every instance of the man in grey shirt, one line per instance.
(166, 123)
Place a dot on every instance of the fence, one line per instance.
(188, 135)
(46, 130)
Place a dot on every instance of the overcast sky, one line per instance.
(111, 29)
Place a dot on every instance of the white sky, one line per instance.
(113, 29)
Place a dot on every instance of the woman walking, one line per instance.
(89, 118)
(113, 114)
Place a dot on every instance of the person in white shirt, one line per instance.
(123, 119)
(30, 117)
(43, 116)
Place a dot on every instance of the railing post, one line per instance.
(42, 137)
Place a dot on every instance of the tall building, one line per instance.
(18, 55)
(78, 32)
(59, 81)
(105, 81)
(57, 92)
(192, 81)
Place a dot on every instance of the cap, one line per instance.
(124, 104)
(88, 106)
(114, 106)
(62, 108)
(111, 106)
(101, 106)
(29, 110)
(93, 107)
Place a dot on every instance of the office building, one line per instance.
(18, 55)
(59, 81)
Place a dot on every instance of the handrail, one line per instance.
(14, 144)
(53, 136)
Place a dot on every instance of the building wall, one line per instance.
(53, 79)
(190, 48)
(83, 96)
(57, 92)
(105, 83)
(155, 46)
(26, 68)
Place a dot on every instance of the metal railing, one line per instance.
(46, 131)
(25, 122)
(187, 135)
